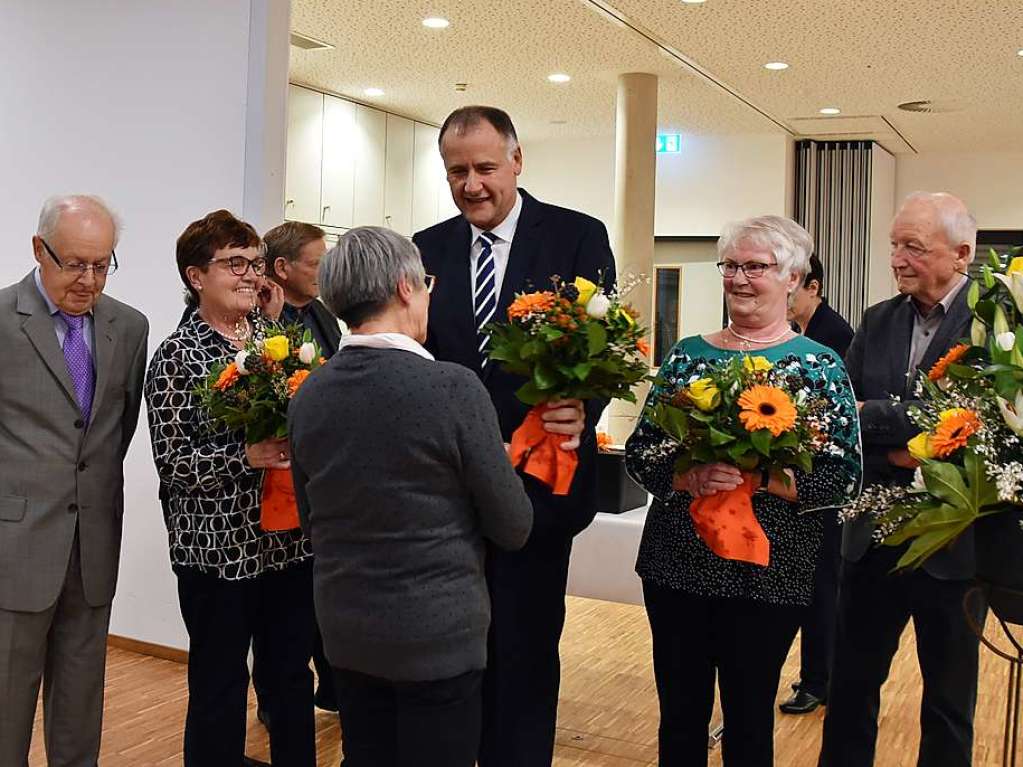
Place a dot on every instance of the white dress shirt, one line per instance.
(505, 233)
(384, 341)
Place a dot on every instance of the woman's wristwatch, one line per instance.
(765, 480)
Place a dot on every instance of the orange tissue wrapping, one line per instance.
(727, 524)
(538, 453)
(278, 510)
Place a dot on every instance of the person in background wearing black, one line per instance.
(293, 253)
(809, 311)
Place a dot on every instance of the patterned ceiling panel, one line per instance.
(863, 56)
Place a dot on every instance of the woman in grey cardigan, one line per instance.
(400, 473)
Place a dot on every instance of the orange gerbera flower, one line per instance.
(227, 377)
(297, 379)
(952, 432)
(529, 303)
(767, 407)
(952, 356)
(643, 347)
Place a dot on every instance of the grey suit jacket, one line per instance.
(876, 361)
(55, 473)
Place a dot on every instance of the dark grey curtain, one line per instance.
(833, 205)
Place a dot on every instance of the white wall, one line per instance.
(147, 104)
(989, 182)
(713, 180)
(880, 283)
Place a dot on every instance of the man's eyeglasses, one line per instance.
(752, 269)
(99, 269)
(430, 281)
(239, 265)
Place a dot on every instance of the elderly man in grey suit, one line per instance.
(74, 362)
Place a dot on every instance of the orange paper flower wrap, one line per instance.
(278, 510)
(727, 524)
(538, 453)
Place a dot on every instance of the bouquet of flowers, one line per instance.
(755, 415)
(576, 341)
(252, 391)
(971, 420)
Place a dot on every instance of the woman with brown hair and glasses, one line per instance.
(237, 584)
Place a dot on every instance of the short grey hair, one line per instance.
(789, 243)
(55, 207)
(959, 224)
(359, 276)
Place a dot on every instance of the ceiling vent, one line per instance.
(929, 107)
(307, 43)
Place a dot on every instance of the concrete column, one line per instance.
(635, 191)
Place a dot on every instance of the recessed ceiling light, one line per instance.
(830, 111)
(373, 92)
(1019, 52)
(436, 22)
(559, 77)
(776, 65)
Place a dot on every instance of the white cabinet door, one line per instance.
(304, 155)
(339, 152)
(398, 174)
(428, 178)
(370, 150)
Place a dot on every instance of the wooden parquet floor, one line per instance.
(607, 714)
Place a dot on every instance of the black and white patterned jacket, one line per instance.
(213, 494)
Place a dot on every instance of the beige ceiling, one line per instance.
(863, 56)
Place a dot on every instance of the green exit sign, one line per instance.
(669, 143)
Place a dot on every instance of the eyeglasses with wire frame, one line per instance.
(752, 269)
(99, 269)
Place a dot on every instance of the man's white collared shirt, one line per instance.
(501, 249)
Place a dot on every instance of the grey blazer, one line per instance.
(876, 361)
(55, 473)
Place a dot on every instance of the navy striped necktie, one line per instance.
(484, 294)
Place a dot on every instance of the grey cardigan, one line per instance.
(400, 473)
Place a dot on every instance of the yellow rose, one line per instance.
(756, 364)
(1016, 265)
(920, 446)
(276, 348)
(586, 290)
(704, 394)
(944, 415)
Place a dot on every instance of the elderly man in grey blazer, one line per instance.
(74, 362)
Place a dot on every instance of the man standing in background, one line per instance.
(506, 242)
(74, 365)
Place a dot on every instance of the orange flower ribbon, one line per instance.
(538, 453)
(727, 524)
(278, 509)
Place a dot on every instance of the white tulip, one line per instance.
(1006, 340)
(239, 362)
(1012, 413)
(307, 353)
(598, 306)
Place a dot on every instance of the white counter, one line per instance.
(603, 564)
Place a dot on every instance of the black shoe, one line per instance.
(248, 761)
(263, 717)
(324, 701)
(801, 702)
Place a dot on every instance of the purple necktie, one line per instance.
(79, 362)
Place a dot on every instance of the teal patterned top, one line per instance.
(673, 555)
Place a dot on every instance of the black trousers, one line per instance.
(817, 640)
(409, 724)
(523, 676)
(874, 607)
(223, 618)
(743, 643)
(324, 673)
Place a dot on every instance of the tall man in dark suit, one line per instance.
(816, 320)
(933, 240)
(74, 361)
(293, 253)
(505, 242)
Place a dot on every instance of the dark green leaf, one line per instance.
(596, 338)
(718, 438)
(761, 439)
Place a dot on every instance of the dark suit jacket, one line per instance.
(877, 361)
(548, 240)
(323, 325)
(828, 327)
